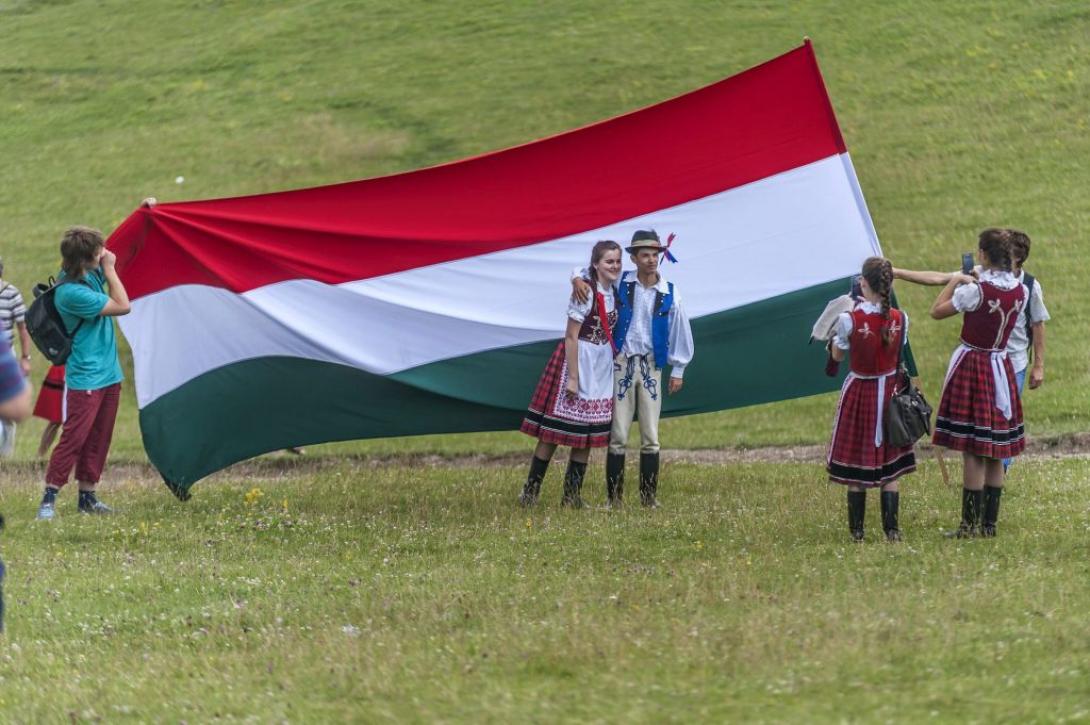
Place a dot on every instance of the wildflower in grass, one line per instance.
(253, 496)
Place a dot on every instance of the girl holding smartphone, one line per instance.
(980, 413)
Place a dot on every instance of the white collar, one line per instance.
(999, 278)
(869, 307)
(662, 285)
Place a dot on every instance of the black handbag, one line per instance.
(908, 415)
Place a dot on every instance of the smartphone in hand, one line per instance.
(967, 263)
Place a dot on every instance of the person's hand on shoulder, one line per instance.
(580, 290)
(149, 202)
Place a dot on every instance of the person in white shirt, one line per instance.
(1029, 330)
(652, 332)
(13, 320)
(572, 404)
(980, 413)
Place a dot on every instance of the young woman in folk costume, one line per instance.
(573, 402)
(859, 457)
(980, 413)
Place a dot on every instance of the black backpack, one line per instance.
(45, 325)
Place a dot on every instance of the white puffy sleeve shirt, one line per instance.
(681, 338)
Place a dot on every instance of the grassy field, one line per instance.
(958, 116)
(338, 588)
(345, 591)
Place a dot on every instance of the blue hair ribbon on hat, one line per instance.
(666, 250)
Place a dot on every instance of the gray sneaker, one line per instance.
(92, 505)
(46, 512)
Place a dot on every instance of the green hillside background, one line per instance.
(957, 116)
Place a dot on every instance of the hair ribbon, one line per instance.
(666, 250)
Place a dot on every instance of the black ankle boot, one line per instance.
(614, 479)
(573, 483)
(991, 510)
(532, 489)
(857, 512)
(890, 503)
(649, 479)
(972, 502)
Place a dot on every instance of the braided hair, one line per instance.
(878, 271)
(998, 247)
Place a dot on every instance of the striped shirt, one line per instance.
(12, 309)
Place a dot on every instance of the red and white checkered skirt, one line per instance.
(968, 419)
(853, 458)
(554, 417)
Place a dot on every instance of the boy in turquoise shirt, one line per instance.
(92, 296)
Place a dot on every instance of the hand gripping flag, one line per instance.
(429, 301)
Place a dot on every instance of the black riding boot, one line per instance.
(857, 512)
(972, 502)
(991, 510)
(649, 479)
(573, 482)
(890, 503)
(532, 489)
(614, 480)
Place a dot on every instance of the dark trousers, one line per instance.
(85, 439)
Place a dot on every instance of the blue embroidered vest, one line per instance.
(660, 318)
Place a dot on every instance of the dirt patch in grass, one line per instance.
(278, 465)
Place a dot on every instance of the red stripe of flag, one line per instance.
(772, 118)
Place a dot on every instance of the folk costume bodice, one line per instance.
(593, 331)
(988, 326)
(870, 356)
(602, 306)
(654, 313)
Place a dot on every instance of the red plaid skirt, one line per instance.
(50, 403)
(549, 424)
(853, 458)
(968, 420)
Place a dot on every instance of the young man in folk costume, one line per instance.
(652, 332)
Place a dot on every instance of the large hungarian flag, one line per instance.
(429, 301)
